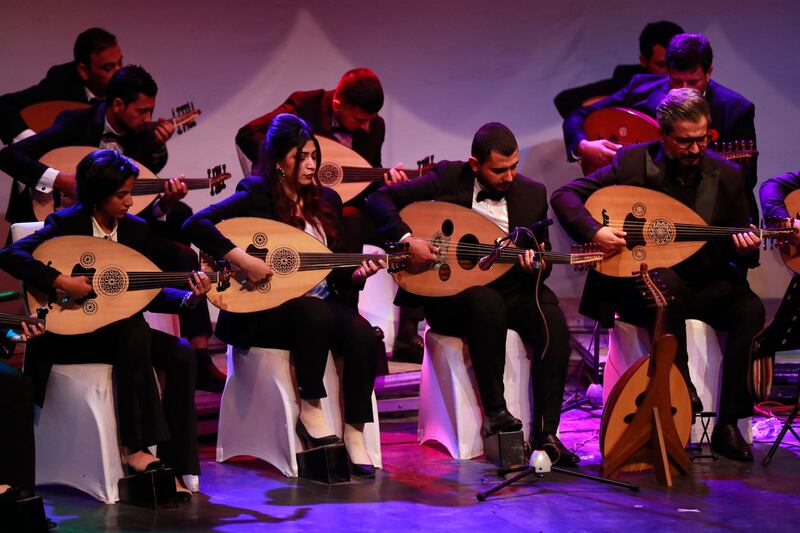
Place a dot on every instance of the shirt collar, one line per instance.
(99, 232)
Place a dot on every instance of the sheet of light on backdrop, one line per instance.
(447, 67)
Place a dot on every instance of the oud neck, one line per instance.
(11, 321)
(156, 186)
(367, 174)
(697, 232)
(510, 255)
(324, 261)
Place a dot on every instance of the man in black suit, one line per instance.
(653, 42)
(711, 285)
(689, 65)
(348, 115)
(122, 123)
(488, 183)
(97, 58)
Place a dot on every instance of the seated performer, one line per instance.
(489, 184)
(711, 285)
(653, 42)
(104, 182)
(288, 190)
(689, 65)
(348, 115)
(97, 58)
(773, 192)
(17, 452)
(121, 123)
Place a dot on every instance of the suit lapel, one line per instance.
(655, 167)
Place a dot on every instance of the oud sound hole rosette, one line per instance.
(90, 307)
(260, 240)
(87, 259)
(329, 173)
(661, 231)
(111, 282)
(285, 261)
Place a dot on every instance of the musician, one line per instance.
(97, 57)
(489, 184)
(121, 123)
(689, 64)
(711, 285)
(17, 456)
(288, 190)
(653, 42)
(348, 115)
(773, 192)
(104, 182)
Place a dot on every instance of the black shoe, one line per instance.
(367, 471)
(182, 496)
(209, 377)
(309, 442)
(408, 350)
(727, 441)
(499, 420)
(697, 403)
(559, 454)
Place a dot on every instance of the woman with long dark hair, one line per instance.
(287, 189)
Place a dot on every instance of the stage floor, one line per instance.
(423, 489)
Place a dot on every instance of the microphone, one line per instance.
(486, 262)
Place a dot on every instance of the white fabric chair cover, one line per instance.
(449, 409)
(374, 301)
(76, 431)
(627, 343)
(260, 407)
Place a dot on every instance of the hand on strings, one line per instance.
(598, 153)
(528, 262)
(164, 130)
(746, 243)
(422, 254)
(609, 240)
(29, 331)
(76, 287)
(174, 190)
(199, 284)
(367, 269)
(395, 175)
(256, 269)
(66, 184)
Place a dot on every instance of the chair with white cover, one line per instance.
(627, 343)
(260, 407)
(77, 440)
(449, 410)
(372, 301)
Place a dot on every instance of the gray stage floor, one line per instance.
(423, 489)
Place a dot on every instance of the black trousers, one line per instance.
(17, 452)
(144, 419)
(308, 327)
(725, 304)
(484, 315)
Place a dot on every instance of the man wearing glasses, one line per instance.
(689, 60)
(711, 285)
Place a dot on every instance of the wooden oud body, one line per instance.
(650, 219)
(109, 264)
(619, 125)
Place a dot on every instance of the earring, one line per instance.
(280, 172)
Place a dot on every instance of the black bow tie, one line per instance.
(490, 195)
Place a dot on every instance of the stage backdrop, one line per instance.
(447, 68)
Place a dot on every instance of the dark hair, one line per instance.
(286, 133)
(361, 88)
(128, 83)
(681, 104)
(100, 174)
(660, 32)
(687, 51)
(493, 137)
(92, 41)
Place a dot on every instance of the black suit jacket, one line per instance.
(569, 100)
(253, 199)
(78, 127)
(17, 260)
(454, 182)
(732, 115)
(316, 108)
(774, 191)
(62, 82)
(721, 200)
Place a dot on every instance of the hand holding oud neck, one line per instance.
(746, 243)
(175, 189)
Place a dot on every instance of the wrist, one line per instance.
(189, 301)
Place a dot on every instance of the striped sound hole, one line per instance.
(330, 173)
(111, 282)
(285, 261)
